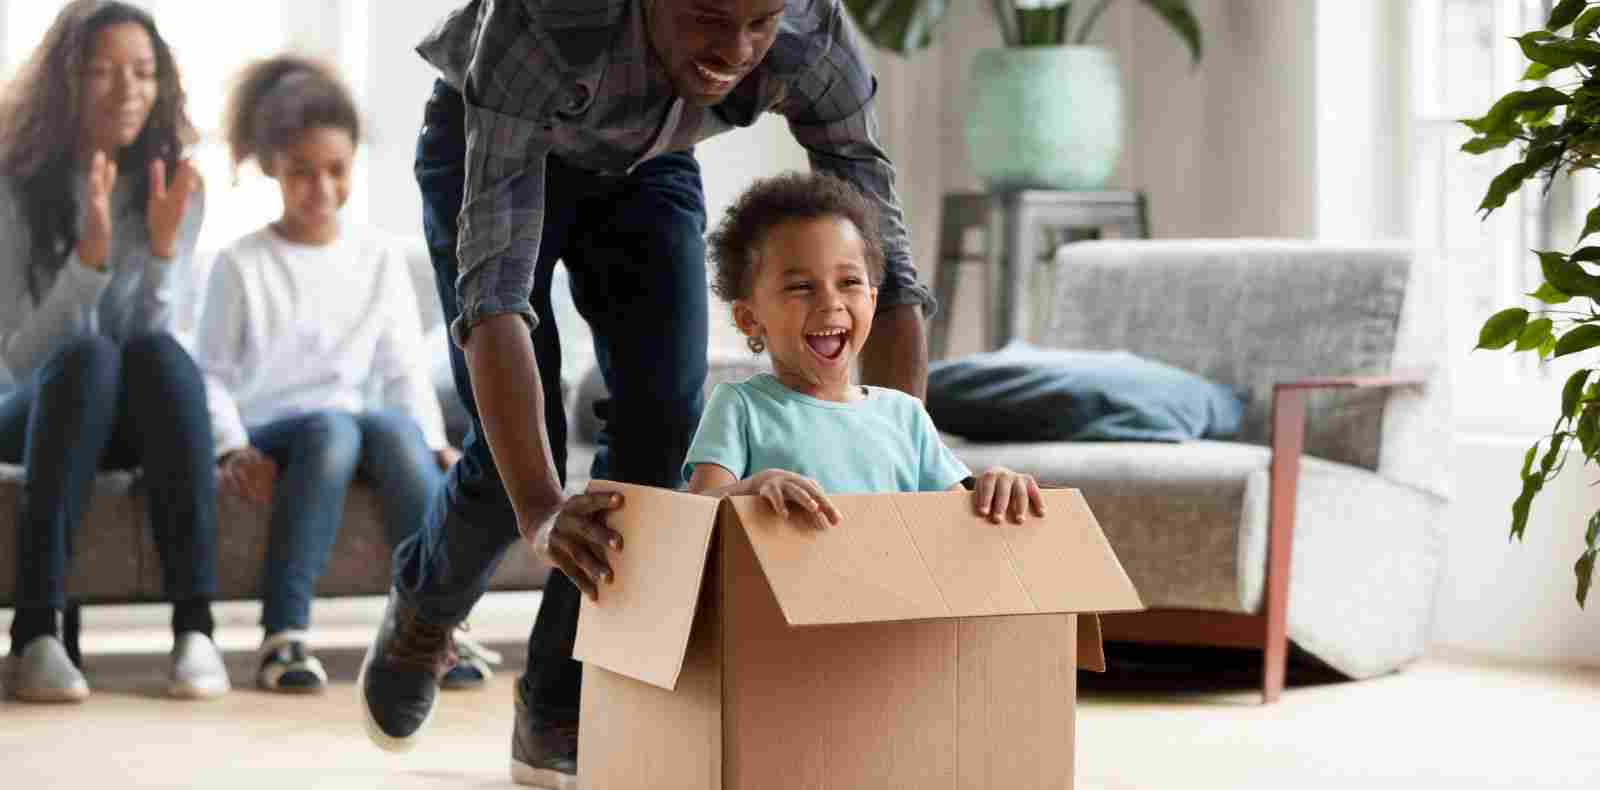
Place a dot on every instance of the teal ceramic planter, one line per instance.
(1045, 117)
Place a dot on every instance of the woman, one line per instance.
(98, 218)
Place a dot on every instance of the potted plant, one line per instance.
(1047, 107)
(1556, 127)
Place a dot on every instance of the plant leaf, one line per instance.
(1501, 118)
(1591, 538)
(1523, 503)
(1588, 432)
(1534, 334)
(1183, 22)
(1572, 392)
(1548, 294)
(1563, 14)
(899, 26)
(1566, 276)
(1585, 255)
(1591, 224)
(1585, 571)
(1551, 455)
(1509, 181)
(1588, 22)
(1536, 72)
(1547, 349)
(1485, 144)
(1579, 338)
(1503, 328)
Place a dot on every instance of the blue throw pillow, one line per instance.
(1024, 393)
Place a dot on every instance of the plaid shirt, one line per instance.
(577, 79)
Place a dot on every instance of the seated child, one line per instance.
(314, 361)
(798, 257)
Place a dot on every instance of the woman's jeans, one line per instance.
(318, 454)
(96, 405)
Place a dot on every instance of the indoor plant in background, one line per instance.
(1046, 108)
(1556, 127)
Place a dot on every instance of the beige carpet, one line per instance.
(1445, 723)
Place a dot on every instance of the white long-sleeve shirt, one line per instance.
(136, 293)
(288, 329)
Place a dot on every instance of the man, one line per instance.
(563, 129)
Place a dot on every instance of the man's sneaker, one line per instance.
(400, 674)
(197, 668)
(42, 672)
(543, 753)
(472, 668)
(288, 667)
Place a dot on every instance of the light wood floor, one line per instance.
(1446, 723)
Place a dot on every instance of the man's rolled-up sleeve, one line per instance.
(502, 218)
(831, 114)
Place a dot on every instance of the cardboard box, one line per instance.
(915, 645)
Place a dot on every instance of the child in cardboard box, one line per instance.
(798, 258)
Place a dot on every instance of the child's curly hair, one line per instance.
(275, 100)
(770, 202)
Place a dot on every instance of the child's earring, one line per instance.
(756, 343)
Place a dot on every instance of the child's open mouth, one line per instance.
(828, 343)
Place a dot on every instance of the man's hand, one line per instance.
(779, 487)
(1001, 492)
(248, 474)
(576, 540)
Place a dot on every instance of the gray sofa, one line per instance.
(1191, 521)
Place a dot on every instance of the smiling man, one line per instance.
(564, 130)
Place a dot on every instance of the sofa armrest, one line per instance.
(1288, 439)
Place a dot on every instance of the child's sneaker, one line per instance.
(472, 664)
(288, 667)
(197, 668)
(42, 672)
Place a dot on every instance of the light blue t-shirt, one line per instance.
(883, 443)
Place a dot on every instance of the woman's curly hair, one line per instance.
(40, 119)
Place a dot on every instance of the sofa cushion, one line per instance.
(1189, 523)
(1026, 393)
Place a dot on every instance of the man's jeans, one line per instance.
(318, 454)
(634, 250)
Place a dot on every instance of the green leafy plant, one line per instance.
(905, 26)
(1556, 128)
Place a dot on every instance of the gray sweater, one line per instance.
(137, 293)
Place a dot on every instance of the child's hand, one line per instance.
(780, 487)
(1002, 492)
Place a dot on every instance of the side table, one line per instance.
(1019, 226)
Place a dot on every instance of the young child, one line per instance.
(305, 322)
(799, 259)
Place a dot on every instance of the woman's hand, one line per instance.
(95, 246)
(1001, 492)
(781, 487)
(164, 212)
(248, 474)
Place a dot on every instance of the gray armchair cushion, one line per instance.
(1026, 393)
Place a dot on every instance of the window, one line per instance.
(211, 42)
(1463, 60)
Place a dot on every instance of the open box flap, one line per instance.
(640, 628)
(927, 555)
